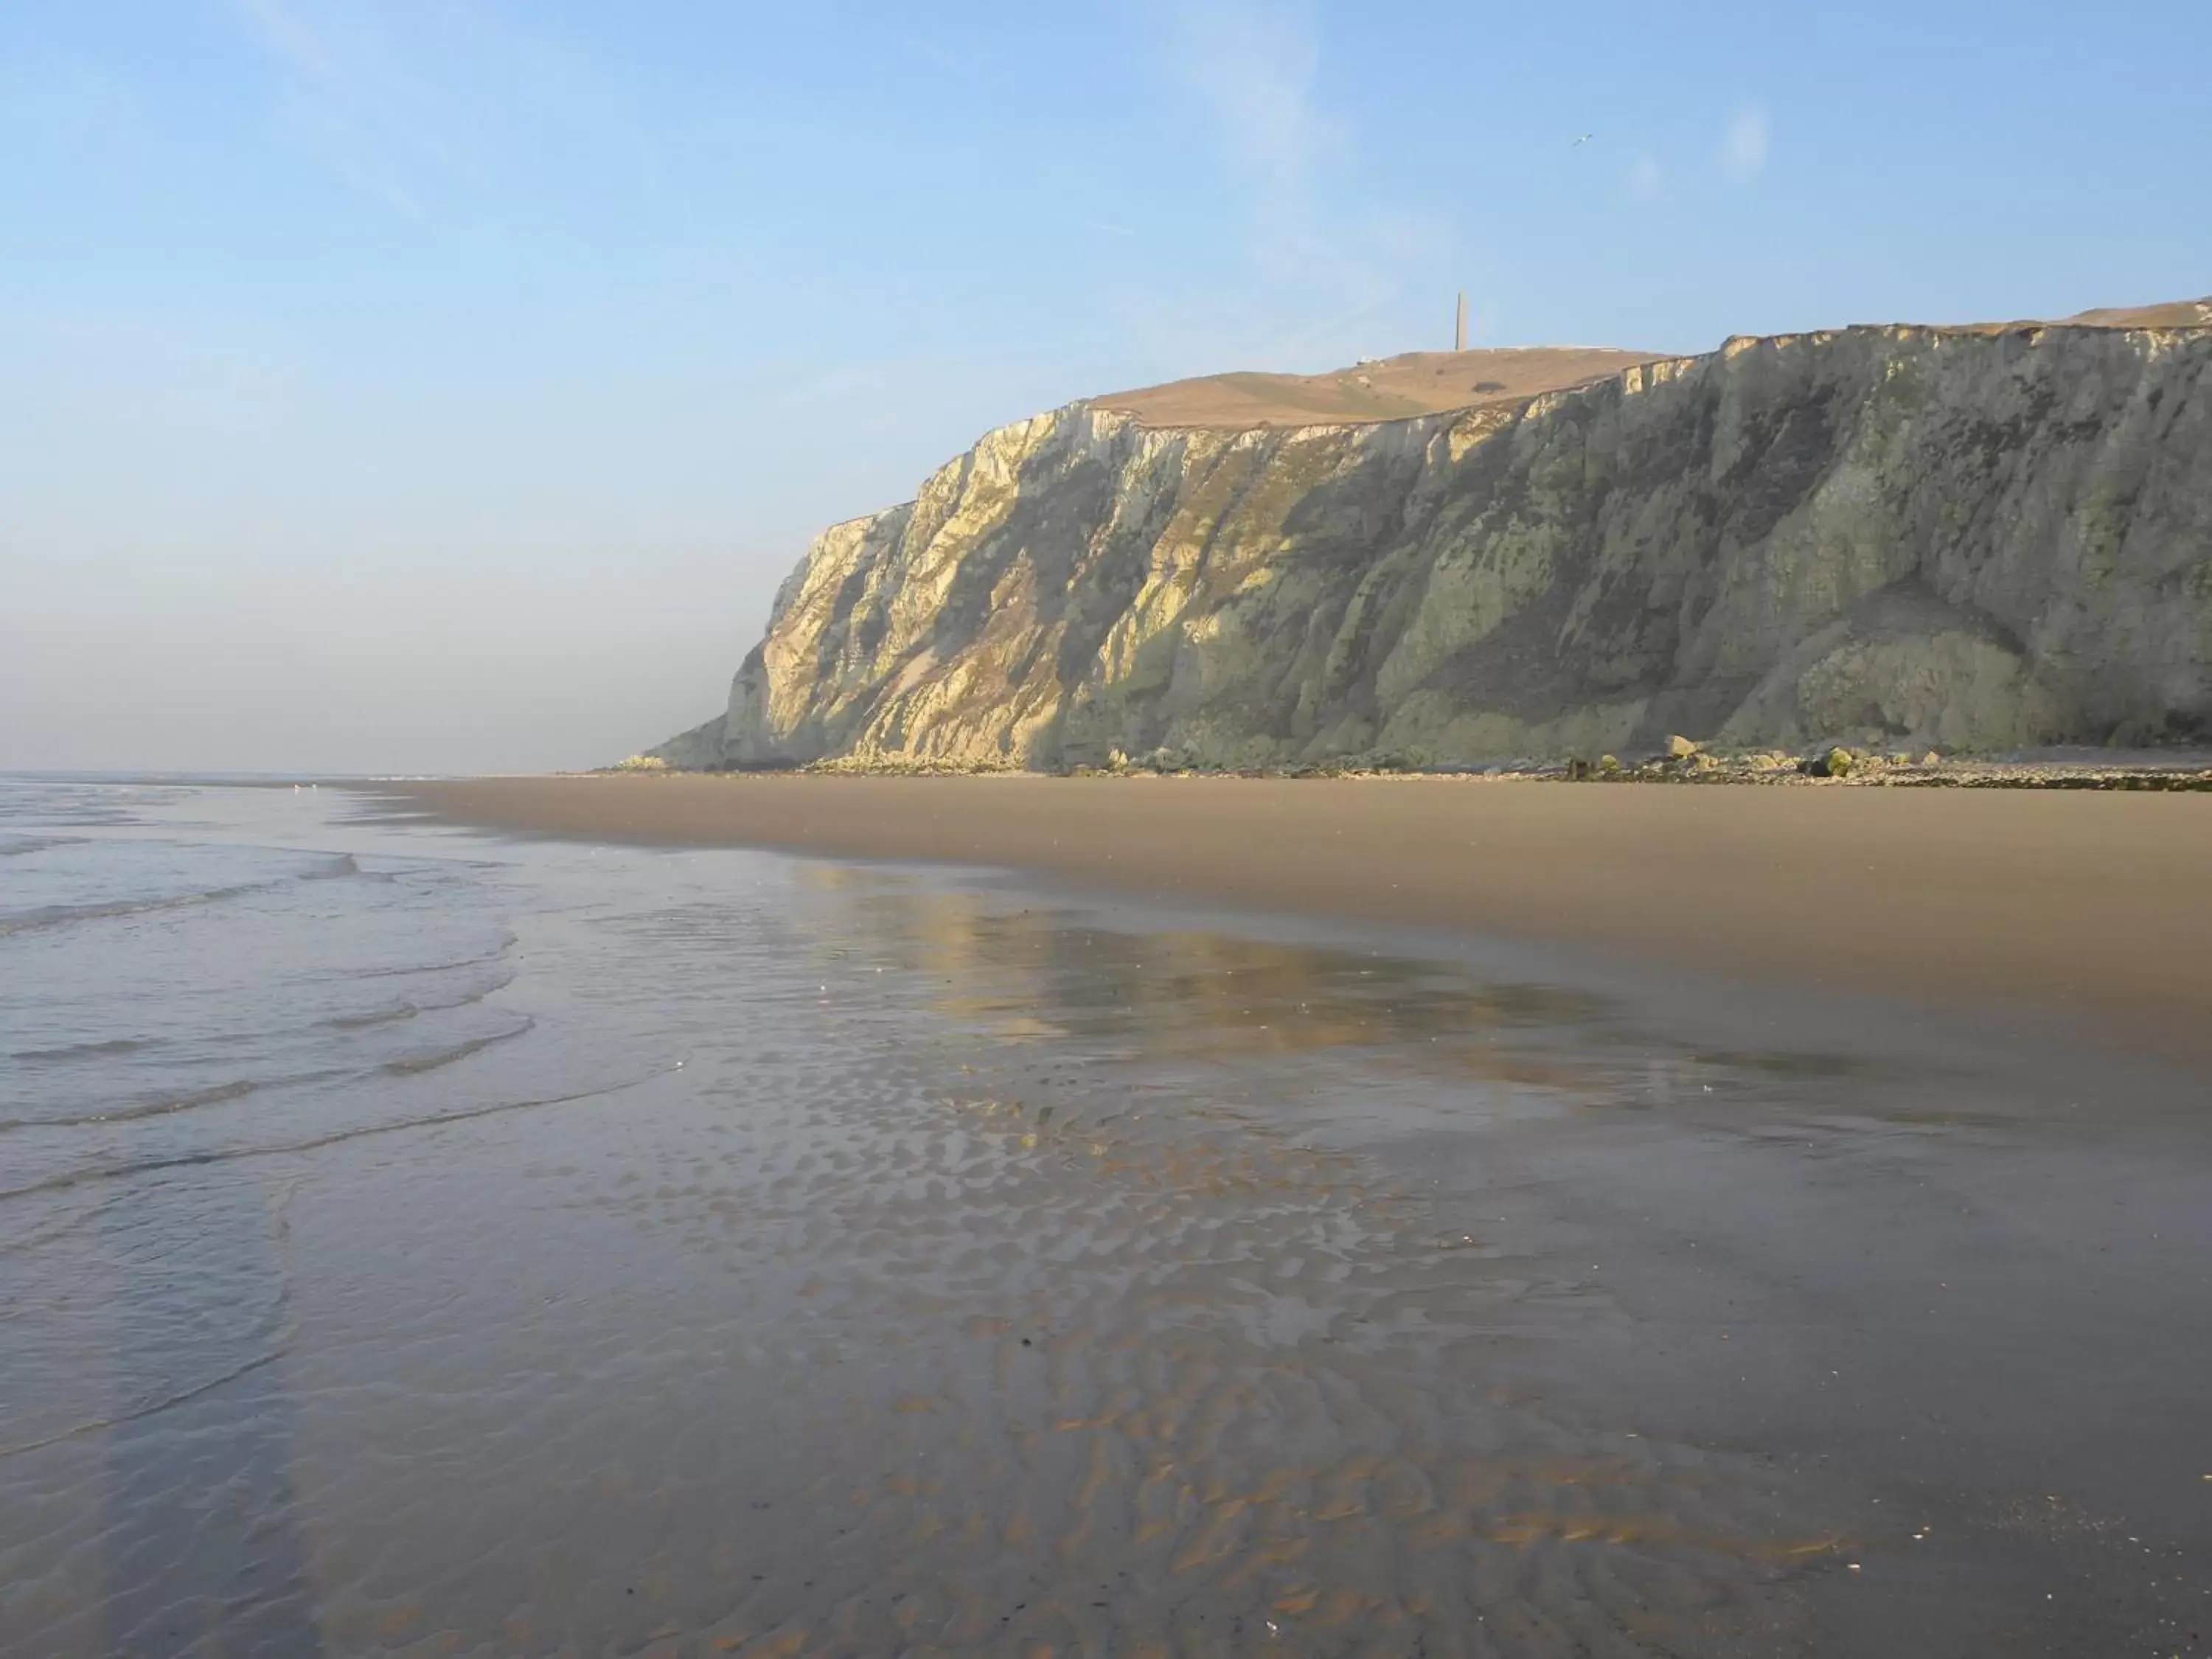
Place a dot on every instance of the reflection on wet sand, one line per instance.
(946, 1269)
(1184, 995)
(1107, 1355)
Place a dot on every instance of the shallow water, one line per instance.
(416, 1243)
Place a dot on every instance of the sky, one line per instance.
(447, 384)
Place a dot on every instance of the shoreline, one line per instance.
(1683, 763)
(2091, 906)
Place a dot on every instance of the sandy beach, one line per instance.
(530, 1243)
(2086, 907)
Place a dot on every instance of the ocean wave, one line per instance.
(506, 944)
(338, 1137)
(216, 1095)
(15, 846)
(62, 916)
(335, 868)
(168, 1105)
(75, 1051)
(437, 1059)
(75, 1054)
(163, 1403)
(272, 1342)
(392, 1013)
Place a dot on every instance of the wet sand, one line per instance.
(614, 1249)
(2091, 907)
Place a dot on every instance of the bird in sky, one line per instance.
(1580, 142)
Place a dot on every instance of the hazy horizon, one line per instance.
(447, 387)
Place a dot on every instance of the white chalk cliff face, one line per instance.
(1980, 540)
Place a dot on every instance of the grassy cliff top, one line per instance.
(1383, 389)
(2173, 314)
(1435, 382)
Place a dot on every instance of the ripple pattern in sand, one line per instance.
(979, 1282)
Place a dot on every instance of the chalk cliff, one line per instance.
(1977, 537)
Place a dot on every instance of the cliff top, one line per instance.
(1381, 389)
(1435, 382)
(2174, 314)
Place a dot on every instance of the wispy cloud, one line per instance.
(1253, 67)
(343, 94)
(1254, 64)
(1103, 227)
(1647, 179)
(411, 107)
(1743, 150)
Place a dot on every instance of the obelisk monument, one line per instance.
(1459, 328)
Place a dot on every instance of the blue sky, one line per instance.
(447, 384)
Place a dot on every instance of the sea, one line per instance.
(418, 1242)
